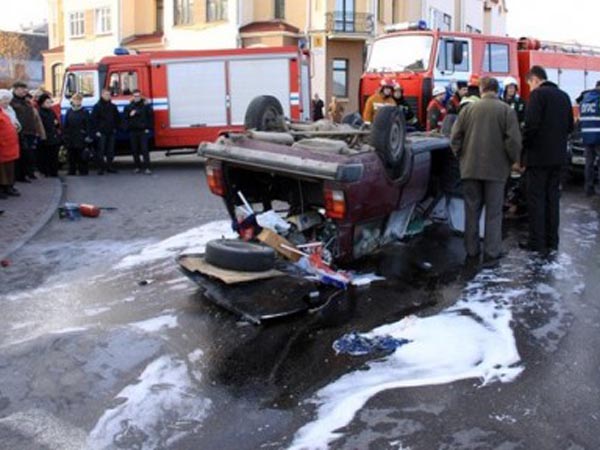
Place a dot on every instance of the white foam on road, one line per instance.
(191, 241)
(472, 339)
(158, 409)
(156, 323)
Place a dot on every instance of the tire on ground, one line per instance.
(264, 113)
(233, 254)
(388, 134)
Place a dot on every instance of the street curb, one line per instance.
(40, 223)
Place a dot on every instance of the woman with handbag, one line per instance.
(77, 137)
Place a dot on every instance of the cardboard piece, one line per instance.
(273, 240)
(199, 264)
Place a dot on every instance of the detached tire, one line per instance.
(388, 134)
(238, 255)
(264, 113)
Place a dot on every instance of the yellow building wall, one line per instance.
(145, 16)
(263, 10)
(129, 16)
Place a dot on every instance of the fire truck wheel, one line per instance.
(264, 113)
(388, 134)
(233, 254)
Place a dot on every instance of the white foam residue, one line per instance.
(365, 279)
(156, 323)
(191, 241)
(472, 339)
(159, 408)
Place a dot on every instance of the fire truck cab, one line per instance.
(196, 95)
(421, 59)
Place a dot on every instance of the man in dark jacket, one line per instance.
(50, 145)
(317, 108)
(548, 122)
(25, 166)
(138, 120)
(105, 122)
(77, 136)
(487, 141)
(589, 107)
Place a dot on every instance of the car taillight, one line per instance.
(214, 175)
(335, 204)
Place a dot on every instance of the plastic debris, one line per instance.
(314, 265)
(355, 344)
(273, 221)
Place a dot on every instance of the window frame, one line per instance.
(58, 73)
(279, 9)
(449, 66)
(102, 17)
(76, 23)
(121, 75)
(183, 12)
(487, 58)
(220, 13)
(345, 71)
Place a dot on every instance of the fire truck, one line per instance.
(196, 95)
(421, 59)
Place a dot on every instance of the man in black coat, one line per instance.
(105, 122)
(548, 122)
(139, 120)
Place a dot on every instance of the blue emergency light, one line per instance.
(121, 51)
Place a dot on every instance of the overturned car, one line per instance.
(343, 189)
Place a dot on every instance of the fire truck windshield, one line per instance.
(399, 53)
(82, 82)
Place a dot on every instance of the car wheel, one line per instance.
(233, 254)
(264, 113)
(388, 134)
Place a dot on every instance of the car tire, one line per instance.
(388, 134)
(234, 254)
(264, 113)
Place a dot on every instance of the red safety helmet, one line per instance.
(474, 80)
(387, 82)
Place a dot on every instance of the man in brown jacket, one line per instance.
(487, 141)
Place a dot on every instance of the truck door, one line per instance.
(449, 66)
(249, 78)
(121, 83)
(197, 93)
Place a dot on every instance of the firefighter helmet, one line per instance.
(474, 80)
(438, 90)
(510, 80)
(387, 82)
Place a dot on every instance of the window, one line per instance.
(279, 9)
(76, 24)
(103, 22)
(216, 10)
(440, 20)
(495, 58)
(415, 55)
(445, 63)
(183, 12)
(57, 78)
(80, 82)
(344, 15)
(123, 83)
(340, 78)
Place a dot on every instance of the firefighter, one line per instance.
(512, 98)
(401, 102)
(473, 94)
(382, 98)
(436, 111)
(454, 103)
(589, 106)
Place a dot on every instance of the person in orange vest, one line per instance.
(379, 99)
(436, 111)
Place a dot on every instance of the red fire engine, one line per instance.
(196, 95)
(421, 59)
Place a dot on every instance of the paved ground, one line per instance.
(104, 344)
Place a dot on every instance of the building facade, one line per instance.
(337, 32)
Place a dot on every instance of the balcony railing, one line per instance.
(349, 22)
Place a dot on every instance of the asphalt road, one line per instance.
(104, 344)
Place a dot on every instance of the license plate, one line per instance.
(578, 160)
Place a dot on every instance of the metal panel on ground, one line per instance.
(196, 94)
(249, 79)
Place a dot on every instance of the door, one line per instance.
(197, 94)
(250, 78)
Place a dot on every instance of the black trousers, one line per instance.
(105, 151)
(543, 194)
(76, 162)
(25, 165)
(49, 159)
(139, 144)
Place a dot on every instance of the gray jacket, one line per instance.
(486, 139)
